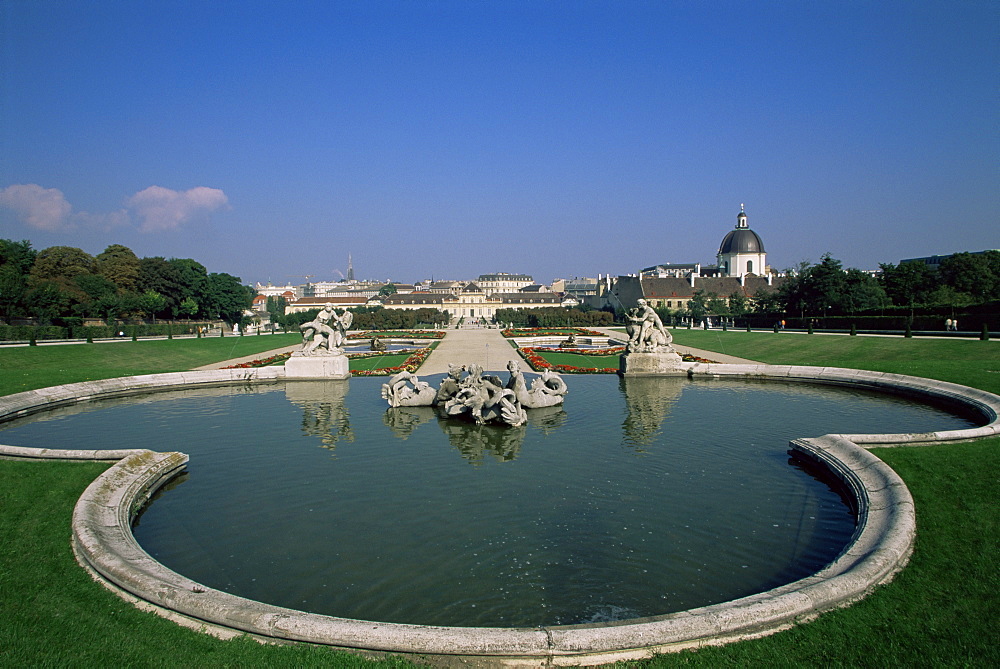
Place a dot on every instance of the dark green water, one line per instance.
(636, 498)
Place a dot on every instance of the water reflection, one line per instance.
(648, 402)
(323, 412)
(474, 442)
(404, 420)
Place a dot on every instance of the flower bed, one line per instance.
(550, 332)
(357, 355)
(539, 363)
(410, 364)
(397, 334)
(262, 362)
(613, 350)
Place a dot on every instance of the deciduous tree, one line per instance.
(119, 265)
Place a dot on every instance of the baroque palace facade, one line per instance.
(459, 299)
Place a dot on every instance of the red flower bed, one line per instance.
(398, 334)
(376, 354)
(410, 365)
(538, 363)
(261, 362)
(614, 350)
(550, 332)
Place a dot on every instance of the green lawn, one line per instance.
(31, 367)
(378, 362)
(940, 611)
(970, 362)
(577, 360)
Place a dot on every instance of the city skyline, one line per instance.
(553, 139)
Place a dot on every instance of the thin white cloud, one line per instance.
(153, 209)
(41, 208)
(159, 208)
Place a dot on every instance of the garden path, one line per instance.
(485, 347)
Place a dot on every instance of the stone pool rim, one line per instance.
(104, 545)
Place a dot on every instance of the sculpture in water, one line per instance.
(407, 390)
(326, 333)
(482, 398)
(646, 331)
(546, 390)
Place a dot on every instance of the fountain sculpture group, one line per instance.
(482, 398)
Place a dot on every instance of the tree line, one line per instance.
(369, 318)
(550, 317)
(827, 290)
(64, 285)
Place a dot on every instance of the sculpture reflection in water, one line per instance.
(475, 441)
(648, 402)
(479, 397)
(324, 414)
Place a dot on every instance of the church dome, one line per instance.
(741, 240)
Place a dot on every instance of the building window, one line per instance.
(749, 266)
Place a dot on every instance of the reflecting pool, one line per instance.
(637, 497)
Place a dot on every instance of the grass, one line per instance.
(577, 360)
(940, 611)
(379, 362)
(970, 362)
(31, 367)
(55, 615)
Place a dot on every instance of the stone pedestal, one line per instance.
(320, 366)
(661, 363)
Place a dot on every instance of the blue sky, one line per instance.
(450, 139)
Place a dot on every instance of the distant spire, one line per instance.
(350, 268)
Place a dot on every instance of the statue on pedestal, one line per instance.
(646, 331)
(648, 351)
(326, 333)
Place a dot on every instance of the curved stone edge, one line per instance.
(881, 546)
(104, 543)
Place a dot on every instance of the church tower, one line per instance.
(350, 268)
(741, 251)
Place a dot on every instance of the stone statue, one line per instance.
(485, 399)
(480, 397)
(450, 385)
(327, 332)
(646, 331)
(376, 344)
(406, 390)
(547, 390)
